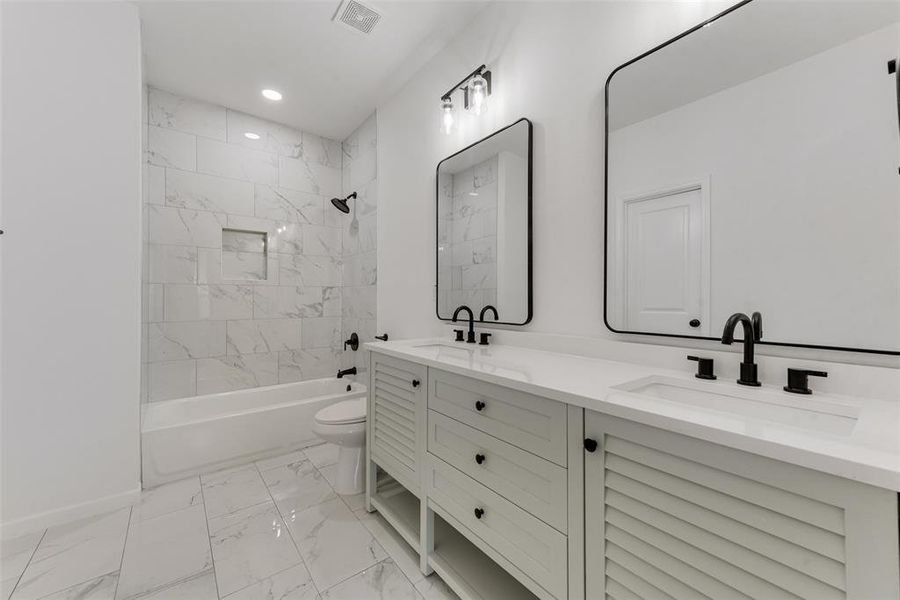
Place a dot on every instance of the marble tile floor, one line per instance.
(269, 530)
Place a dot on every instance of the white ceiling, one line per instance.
(332, 78)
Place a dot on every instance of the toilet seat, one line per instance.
(343, 413)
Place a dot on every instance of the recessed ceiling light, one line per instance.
(272, 95)
(251, 136)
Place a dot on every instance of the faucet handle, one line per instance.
(484, 339)
(798, 380)
(459, 334)
(705, 367)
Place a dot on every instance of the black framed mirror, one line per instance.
(484, 246)
(752, 165)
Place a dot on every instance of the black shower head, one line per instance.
(341, 203)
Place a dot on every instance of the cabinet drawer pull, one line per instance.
(415, 383)
(590, 445)
(479, 405)
(479, 458)
(479, 512)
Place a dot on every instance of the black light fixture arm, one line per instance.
(482, 70)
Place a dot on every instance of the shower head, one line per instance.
(341, 203)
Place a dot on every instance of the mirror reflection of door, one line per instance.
(665, 260)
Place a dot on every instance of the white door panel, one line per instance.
(665, 272)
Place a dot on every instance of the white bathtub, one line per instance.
(195, 435)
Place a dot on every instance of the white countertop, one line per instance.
(869, 453)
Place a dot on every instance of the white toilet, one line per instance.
(344, 424)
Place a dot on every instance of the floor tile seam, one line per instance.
(28, 564)
(171, 584)
(237, 510)
(290, 535)
(212, 558)
(124, 545)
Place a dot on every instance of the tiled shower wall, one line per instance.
(243, 250)
(359, 237)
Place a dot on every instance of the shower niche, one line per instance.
(245, 255)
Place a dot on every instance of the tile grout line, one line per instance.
(27, 564)
(212, 559)
(288, 529)
(124, 545)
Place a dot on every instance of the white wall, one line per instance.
(549, 62)
(808, 188)
(71, 260)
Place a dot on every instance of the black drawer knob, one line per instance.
(479, 458)
(479, 405)
(416, 383)
(479, 512)
(590, 445)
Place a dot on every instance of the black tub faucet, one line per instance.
(752, 333)
(471, 337)
(350, 371)
(488, 308)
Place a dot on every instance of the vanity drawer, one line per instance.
(534, 484)
(526, 421)
(530, 544)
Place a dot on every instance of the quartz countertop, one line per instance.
(868, 453)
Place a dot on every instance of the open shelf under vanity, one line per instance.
(470, 572)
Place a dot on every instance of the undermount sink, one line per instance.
(802, 412)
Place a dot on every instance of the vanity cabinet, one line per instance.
(498, 467)
(396, 423)
(509, 495)
(667, 515)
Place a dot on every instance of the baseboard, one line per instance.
(67, 514)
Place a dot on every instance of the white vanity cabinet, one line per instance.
(396, 422)
(670, 516)
(504, 495)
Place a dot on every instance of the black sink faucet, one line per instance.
(471, 337)
(488, 308)
(752, 333)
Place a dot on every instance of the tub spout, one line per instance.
(350, 371)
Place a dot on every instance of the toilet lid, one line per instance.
(346, 411)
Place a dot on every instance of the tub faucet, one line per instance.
(471, 337)
(752, 333)
(350, 371)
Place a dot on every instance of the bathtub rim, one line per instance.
(359, 389)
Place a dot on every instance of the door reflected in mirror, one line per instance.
(752, 165)
(484, 227)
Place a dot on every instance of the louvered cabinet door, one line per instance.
(669, 516)
(396, 423)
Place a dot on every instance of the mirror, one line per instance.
(752, 165)
(484, 227)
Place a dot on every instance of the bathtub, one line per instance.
(188, 436)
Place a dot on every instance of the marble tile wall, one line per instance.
(360, 271)
(224, 312)
(468, 238)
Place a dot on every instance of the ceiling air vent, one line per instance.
(357, 16)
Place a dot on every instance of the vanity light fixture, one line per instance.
(476, 87)
(272, 95)
(476, 95)
(448, 122)
(251, 136)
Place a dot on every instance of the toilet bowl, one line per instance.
(344, 424)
